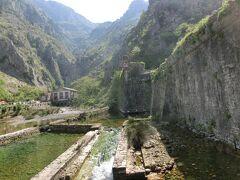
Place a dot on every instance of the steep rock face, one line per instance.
(29, 50)
(153, 39)
(107, 38)
(76, 27)
(199, 85)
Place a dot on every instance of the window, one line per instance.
(55, 96)
(61, 95)
(66, 95)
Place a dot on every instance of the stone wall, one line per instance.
(56, 169)
(153, 158)
(120, 159)
(199, 84)
(136, 89)
(15, 136)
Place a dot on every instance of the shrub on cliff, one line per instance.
(137, 132)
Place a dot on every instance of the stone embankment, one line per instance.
(61, 168)
(120, 160)
(152, 161)
(156, 158)
(15, 136)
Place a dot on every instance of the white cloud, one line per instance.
(99, 10)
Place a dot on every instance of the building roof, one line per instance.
(70, 89)
(65, 88)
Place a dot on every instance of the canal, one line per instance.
(196, 158)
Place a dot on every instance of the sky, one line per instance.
(98, 11)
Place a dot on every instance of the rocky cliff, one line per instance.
(160, 27)
(198, 85)
(76, 27)
(47, 44)
(29, 50)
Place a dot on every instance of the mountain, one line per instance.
(29, 45)
(106, 39)
(47, 44)
(160, 27)
(75, 26)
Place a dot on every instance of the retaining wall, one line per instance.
(15, 136)
(56, 169)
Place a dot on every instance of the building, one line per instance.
(63, 96)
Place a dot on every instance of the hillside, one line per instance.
(29, 50)
(160, 27)
(76, 27)
(49, 48)
(108, 37)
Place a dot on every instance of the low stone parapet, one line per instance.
(56, 170)
(151, 159)
(74, 167)
(120, 160)
(15, 136)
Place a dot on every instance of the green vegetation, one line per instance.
(223, 11)
(91, 92)
(115, 94)
(135, 51)
(183, 29)
(27, 157)
(4, 94)
(12, 90)
(29, 113)
(193, 34)
(137, 132)
(27, 93)
(25, 111)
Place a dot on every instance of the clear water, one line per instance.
(200, 159)
(99, 165)
(24, 159)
